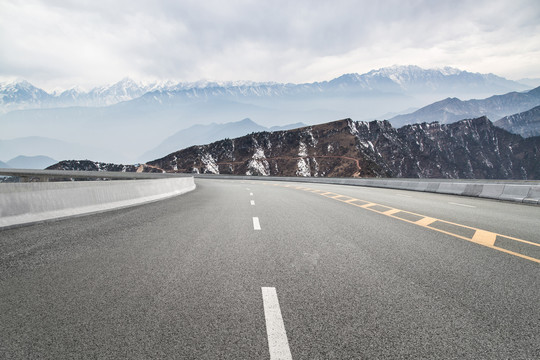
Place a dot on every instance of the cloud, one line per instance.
(93, 42)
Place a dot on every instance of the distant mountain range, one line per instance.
(23, 95)
(37, 145)
(120, 122)
(205, 134)
(29, 162)
(453, 109)
(467, 149)
(526, 124)
(396, 79)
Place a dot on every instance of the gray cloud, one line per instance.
(65, 43)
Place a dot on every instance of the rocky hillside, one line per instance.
(526, 124)
(87, 165)
(466, 149)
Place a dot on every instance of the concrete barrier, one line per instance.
(533, 197)
(451, 188)
(526, 191)
(515, 192)
(23, 203)
(491, 191)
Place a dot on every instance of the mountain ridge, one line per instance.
(467, 149)
(526, 123)
(204, 134)
(30, 162)
(470, 148)
(24, 95)
(453, 109)
(135, 124)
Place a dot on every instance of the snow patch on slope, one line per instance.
(258, 165)
(303, 168)
(302, 149)
(210, 165)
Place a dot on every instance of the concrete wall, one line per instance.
(22, 203)
(518, 191)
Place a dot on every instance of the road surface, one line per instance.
(254, 269)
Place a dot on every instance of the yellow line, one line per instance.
(391, 212)
(483, 237)
(515, 254)
(426, 221)
(365, 206)
(480, 237)
(520, 240)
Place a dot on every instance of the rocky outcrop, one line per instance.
(466, 149)
(87, 165)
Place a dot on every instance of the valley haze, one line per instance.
(123, 122)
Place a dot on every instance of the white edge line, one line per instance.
(256, 224)
(275, 328)
(458, 204)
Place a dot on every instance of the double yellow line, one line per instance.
(478, 236)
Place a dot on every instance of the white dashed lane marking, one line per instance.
(252, 202)
(275, 328)
(256, 224)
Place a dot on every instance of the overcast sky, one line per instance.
(62, 43)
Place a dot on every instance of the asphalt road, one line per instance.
(191, 278)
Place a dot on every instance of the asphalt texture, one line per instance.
(182, 278)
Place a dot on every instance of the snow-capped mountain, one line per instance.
(129, 118)
(405, 80)
(415, 79)
(124, 90)
(21, 94)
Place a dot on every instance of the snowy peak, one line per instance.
(416, 79)
(20, 89)
(16, 94)
(124, 90)
(407, 80)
